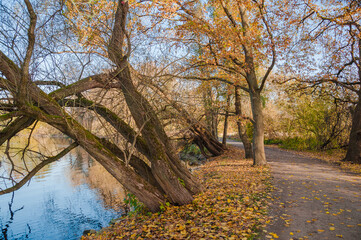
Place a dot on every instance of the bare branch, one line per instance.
(273, 46)
(36, 169)
(31, 40)
(50, 83)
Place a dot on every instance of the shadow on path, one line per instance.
(312, 199)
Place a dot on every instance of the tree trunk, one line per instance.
(174, 178)
(259, 157)
(258, 130)
(211, 115)
(166, 166)
(241, 130)
(203, 138)
(225, 126)
(47, 110)
(144, 191)
(354, 147)
(139, 166)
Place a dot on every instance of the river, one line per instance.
(60, 202)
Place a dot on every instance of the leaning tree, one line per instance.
(155, 175)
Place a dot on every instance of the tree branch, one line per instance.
(102, 80)
(38, 167)
(122, 127)
(269, 31)
(14, 127)
(31, 40)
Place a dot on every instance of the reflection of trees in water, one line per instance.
(19, 156)
(65, 221)
(5, 228)
(86, 170)
(83, 170)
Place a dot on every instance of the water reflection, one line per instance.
(4, 229)
(65, 198)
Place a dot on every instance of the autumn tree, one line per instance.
(332, 32)
(155, 175)
(240, 39)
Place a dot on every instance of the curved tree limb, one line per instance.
(119, 124)
(38, 167)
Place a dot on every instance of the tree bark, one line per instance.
(259, 156)
(15, 127)
(204, 139)
(174, 178)
(45, 109)
(225, 126)
(138, 164)
(354, 147)
(161, 155)
(241, 130)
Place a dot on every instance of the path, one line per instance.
(313, 200)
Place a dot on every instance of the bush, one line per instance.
(296, 143)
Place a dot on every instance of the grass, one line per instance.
(233, 206)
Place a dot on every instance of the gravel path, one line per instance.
(312, 199)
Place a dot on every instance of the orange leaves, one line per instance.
(90, 21)
(233, 206)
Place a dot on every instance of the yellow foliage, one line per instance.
(233, 206)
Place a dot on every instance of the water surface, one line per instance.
(60, 202)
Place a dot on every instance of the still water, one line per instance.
(60, 202)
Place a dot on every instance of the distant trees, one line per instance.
(305, 120)
(235, 42)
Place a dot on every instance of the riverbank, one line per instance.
(233, 206)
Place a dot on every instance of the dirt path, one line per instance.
(312, 199)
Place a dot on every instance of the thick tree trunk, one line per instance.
(139, 166)
(47, 110)
(258, 131)
(174, 178)
(166, 166)
(241, 130)
(225, 126)
(119, 124)
(143, 190)
(259, 157)
(354, 147)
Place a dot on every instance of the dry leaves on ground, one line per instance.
(232, 206)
